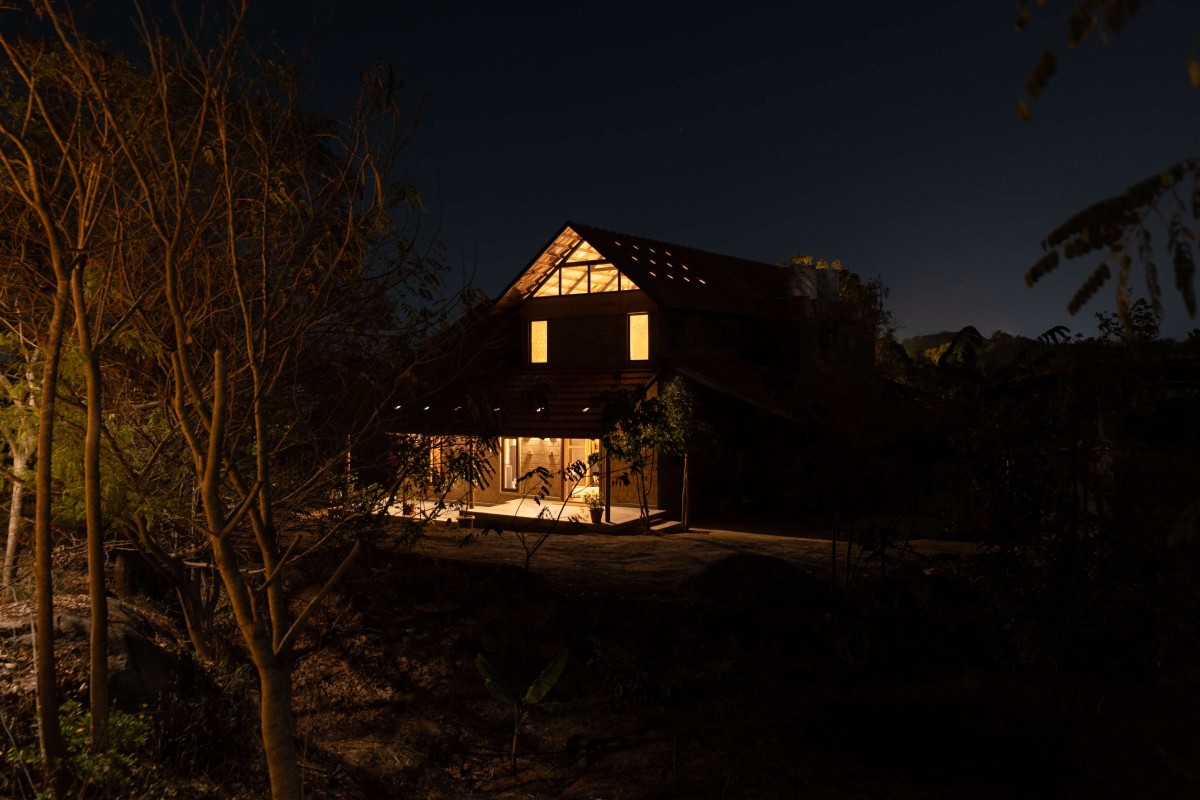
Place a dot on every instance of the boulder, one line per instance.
(145, 659)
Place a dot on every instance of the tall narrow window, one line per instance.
(512, 462)
(537, 341)
(639, 337)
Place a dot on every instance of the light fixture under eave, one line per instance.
(587, 409)
(426, 408)
(398, 408)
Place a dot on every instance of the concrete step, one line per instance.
(666, 526)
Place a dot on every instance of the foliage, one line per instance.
(638, 429)
(806, 260)
(1142, 323)
(1130, 225)
(532, 701)
(256, 279)
(1076, 582)
(111, 773)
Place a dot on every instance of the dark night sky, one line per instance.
(881, 133)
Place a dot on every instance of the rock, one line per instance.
(145, 661)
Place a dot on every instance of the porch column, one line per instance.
(607, 489)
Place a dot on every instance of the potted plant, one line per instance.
(595, 504)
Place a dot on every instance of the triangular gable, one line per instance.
(583, 270)
(567, 265)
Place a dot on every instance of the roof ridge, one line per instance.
(575, 226)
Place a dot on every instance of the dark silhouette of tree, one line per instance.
(1128, 226)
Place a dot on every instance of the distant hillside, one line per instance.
(916, 345)
(999, 350)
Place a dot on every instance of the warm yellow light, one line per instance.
(639, 337)
(537, 341)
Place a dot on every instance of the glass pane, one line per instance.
(628, 285)
(546, 453)
(639, 337)
(574, 280)
(537, 341)
(585, 253)
(511, 462)
(604, 278)
(549, 288)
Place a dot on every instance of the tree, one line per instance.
(631, 422)
(639, 429)
(680, 429)
(18, 423)
(54, 161)
(263, 253)
(1142, 323)
(1122, 228)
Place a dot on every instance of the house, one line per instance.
(597, 311)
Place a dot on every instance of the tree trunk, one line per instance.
(49, 732)
(20, 464)
(274, 675)
(97, 596)
(683, 511)
(196, 617)
(279, 743)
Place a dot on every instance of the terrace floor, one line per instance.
(527, 515)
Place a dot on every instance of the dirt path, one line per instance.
(642, 563)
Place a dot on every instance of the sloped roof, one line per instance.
(523, 402)
(741, 381)
(674, 276)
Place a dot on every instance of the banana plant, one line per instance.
(531, 702)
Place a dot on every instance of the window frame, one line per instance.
(629, 336)
(533, 341)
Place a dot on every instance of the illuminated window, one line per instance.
(639, 337)
(572, 278)
(523, 458)
(537, 341)
(512, 462)
(583, 270)
(584, 451)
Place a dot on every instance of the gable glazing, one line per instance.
(583, 270)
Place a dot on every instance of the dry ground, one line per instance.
(641, 563)
(740, 685)
(713, 665)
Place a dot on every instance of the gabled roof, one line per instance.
(672, 275)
